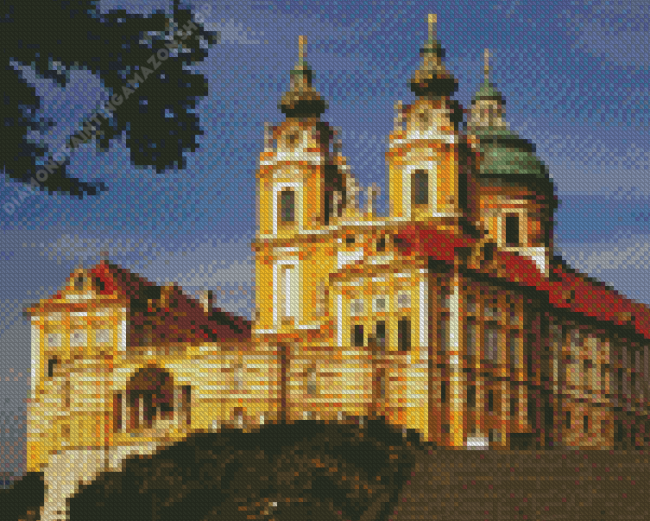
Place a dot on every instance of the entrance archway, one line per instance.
(151, 397)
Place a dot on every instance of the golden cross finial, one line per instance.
(486, 64)
(302, 43)
(433, 19)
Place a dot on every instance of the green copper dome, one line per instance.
(505, 154)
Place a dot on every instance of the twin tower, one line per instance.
(340, 289)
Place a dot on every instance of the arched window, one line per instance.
(150, 398)
(512, 230)
(420, 188)
(287, 206)
(404, 334)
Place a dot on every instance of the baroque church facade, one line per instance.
(450, 316)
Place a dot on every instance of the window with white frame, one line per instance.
(512, 229)
(287, 206)
(104, 336)
(403, 300)
(420, 188)
(288, 294)
(78, 338)
(356, 307)
(380, 304)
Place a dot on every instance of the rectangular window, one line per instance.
(78, 338)
(513, 406)
(512, 230)
(514, 355)
(117, 412)
(420, 187)
(462, 189)
(491, 342)
(513, 317)
(471, 337)
(186, 403)
(403, 300)
(404, 334)
(380, 334)
(471, 396)
(381, 384)
(329, 206)
(381, 244)
(356, 307)
(585, 424)
(357, 336)
(567, 419)
(491, 309)
(443, 392)
(471, 303)
(54, 340)
(312, 388)
(490, 403)
(443, 332)
(444, 298)
(380, 304)
(287, 206)
(51, 364)
(103, 336)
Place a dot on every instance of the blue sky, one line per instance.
(575, 75)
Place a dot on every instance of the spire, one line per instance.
(432, 78)
(487, 89)
(302, 100)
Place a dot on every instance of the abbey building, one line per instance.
(450, 316)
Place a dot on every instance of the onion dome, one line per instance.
(432, 79)
(505, 154)
(302, 100)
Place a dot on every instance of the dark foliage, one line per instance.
(24, 499)
(158, 117)
(306, 470)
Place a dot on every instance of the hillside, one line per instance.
(313, 471)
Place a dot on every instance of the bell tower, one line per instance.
(430, 165)
(516, 192)
(296, 167)
(299, 184)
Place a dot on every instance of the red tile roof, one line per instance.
(566, 289)
(168, 304)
